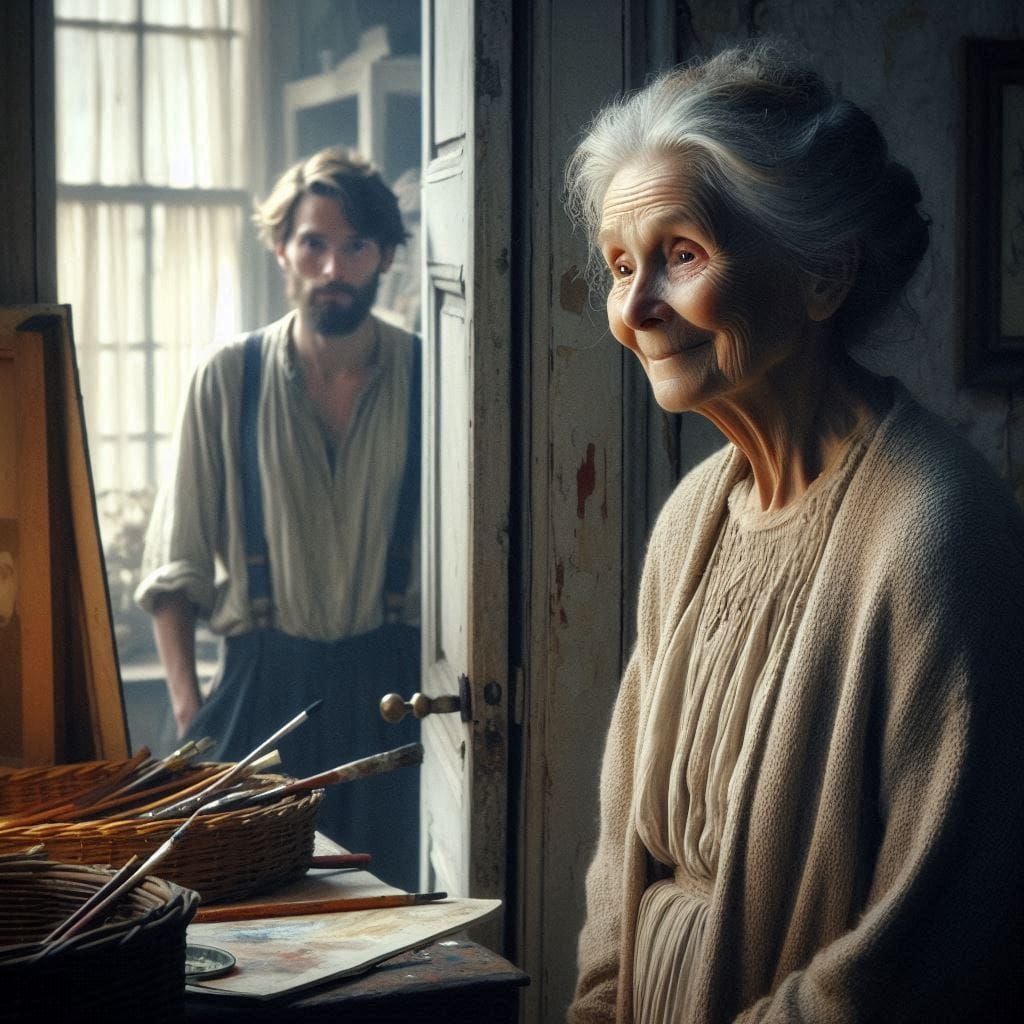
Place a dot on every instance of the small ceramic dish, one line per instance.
(203, 962)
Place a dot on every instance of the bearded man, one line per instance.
(290, 523)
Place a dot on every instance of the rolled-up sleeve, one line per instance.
(181, 540)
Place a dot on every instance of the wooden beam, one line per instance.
(28, 266)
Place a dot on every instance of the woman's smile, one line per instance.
(706, 308)
(660, 355)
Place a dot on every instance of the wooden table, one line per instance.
(452, 980)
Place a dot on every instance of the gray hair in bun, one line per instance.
(771, 143)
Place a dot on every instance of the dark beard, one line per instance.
(330, 319)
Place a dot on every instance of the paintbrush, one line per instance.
(173, 762)
(123, 881)
(150, 810)
(254, 911)
(160, 793)
(187, 806)
(115, 880)
(160, 782)
(136, 763)
(375, 764)
(55, 809)
(128, 784)
(339, 860)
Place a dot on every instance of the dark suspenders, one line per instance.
(400, 547)
(257, 560)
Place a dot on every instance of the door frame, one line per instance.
(466, 275)
(596, 464)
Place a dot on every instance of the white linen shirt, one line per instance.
(327, 519)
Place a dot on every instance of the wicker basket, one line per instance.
(225, 856)
(130, 966)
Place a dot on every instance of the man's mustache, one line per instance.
(335, 289)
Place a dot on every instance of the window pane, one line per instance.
(167, 400)
(103, 456)
(101, 267)
(134, 475)
(193, 122)
(195, 13)
(98, 10)
(133, 397)
(164, 458)
(118, 270)
(97, 108)
(106, 404)
(196, 304)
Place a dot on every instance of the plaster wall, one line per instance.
(898, 59)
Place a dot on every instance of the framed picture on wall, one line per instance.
(991, 212)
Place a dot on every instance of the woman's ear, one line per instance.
(827, 291)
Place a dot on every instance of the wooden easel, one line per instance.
(71, 705)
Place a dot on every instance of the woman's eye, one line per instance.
(686, 253)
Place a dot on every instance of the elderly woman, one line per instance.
(809, 808)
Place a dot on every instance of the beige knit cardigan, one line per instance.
(870, 865)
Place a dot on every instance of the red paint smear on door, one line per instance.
(586, 480)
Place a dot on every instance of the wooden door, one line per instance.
(466, 200)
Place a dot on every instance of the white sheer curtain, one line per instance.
(154, 276)
(101, 273)
(196, 295)
(160, 146)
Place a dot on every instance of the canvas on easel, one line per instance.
(60, 687)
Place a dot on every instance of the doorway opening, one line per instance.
(171, 117)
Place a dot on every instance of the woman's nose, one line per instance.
(645, 307)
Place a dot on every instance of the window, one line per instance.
(154, 195)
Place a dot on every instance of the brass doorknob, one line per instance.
(393, 708)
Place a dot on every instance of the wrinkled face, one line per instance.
(708, 307)
(8, 587)
(331, 272)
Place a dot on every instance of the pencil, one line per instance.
(253, 911)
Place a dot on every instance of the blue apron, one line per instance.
(266, 676)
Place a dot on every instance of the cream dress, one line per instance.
(712, 682)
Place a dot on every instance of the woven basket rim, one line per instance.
(154, 903)
(224, 855)
(91, 825)
(202, 822)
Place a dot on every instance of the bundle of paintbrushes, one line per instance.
(131, 788)
(224, 830)
(108, 812)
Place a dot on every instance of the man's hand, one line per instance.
(184, 705)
